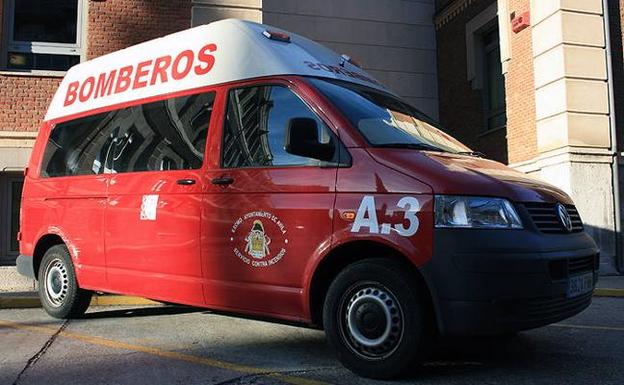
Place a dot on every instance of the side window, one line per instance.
(164, 135)
(255, 127)
(73, 146)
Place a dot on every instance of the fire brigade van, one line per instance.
(241, 168)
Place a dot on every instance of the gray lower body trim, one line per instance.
(25, 266)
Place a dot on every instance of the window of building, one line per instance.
(494, 82)
(42, 35)
(255, 127)
(483, 61)
(10, 199)
(164, 135)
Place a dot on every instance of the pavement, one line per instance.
(612, 281)
(607, 286)
(30, 299)
(151, 345)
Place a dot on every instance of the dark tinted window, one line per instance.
(43, 20)
(494, 87)
(255, 127)
(164, 135)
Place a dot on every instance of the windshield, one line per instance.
(386, 121)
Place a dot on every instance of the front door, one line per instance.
(154, 198)
(266, 211)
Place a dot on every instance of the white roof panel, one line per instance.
(215, 53)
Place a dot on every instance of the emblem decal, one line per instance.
(564, 217)
(253, 233)
(257, 241)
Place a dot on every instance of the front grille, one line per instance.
(546, 310)
(544, 216)
(581, 265)
(555, 307)
(564, 268)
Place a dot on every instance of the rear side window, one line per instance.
(255, 127)
(164, 135)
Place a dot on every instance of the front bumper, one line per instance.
(498, 281)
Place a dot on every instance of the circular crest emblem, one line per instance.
(259, 239)
(564, 217)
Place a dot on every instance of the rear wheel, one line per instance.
(58, 288)
(374, 318)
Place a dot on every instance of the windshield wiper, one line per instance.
(413, 146)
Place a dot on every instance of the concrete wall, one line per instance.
(394, 40)
(207, 11)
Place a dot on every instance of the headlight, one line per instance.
(475, 212)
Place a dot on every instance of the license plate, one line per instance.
(580, 284)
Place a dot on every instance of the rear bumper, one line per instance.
(25, 266)
(492, 282)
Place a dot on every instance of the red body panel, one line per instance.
(468, 175)
(303, 207)
(155, 258)
(74, 210)
(197, 248)
(71, 208)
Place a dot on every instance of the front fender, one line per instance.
(416, 248)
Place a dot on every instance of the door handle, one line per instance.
(186, 182)
(223, 181)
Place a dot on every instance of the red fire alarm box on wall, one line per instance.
(518, 23)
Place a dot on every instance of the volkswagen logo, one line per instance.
(564, 217)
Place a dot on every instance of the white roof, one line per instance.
(219, 52)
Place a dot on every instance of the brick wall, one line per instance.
(23, 100)
(112, 25)
(461, 106)
(520, 93)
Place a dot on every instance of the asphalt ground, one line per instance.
(179, 345)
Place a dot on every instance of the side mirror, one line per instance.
(302, 140)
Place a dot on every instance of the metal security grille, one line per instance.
(544, 216)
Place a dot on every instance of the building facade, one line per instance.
(537, 84)
(553, 69)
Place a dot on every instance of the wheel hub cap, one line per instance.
(373, 322)
(56, 282)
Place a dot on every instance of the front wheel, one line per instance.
(374, 319)
(58, 288)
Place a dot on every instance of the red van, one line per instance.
(242, 168)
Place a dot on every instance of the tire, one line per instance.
(58, 288)
(374, 318)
